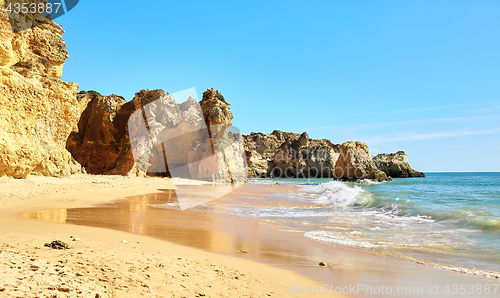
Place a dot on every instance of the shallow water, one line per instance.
(444, 218)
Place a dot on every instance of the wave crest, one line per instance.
(333, 193)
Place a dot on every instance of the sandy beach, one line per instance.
(122, 247)
(108, 263)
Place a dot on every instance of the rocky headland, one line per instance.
(289, 155)
(47, 129)
(396, 165)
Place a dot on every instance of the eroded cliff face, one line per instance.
(356, 162)
(155, 135)
(290, 155)
(38, 111)
(96, 144)
(396, 165)
(224, 159)
(40, 118)
(102, 143)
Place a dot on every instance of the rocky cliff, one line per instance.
(289, 155)
(97, 143)
(102, 143)
(225, 160)
(155, 135)
(396, 165)
(38, 110)
(356, 162)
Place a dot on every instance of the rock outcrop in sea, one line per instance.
(290, 155)
(356, 162)
(396, 165)
(38, 110)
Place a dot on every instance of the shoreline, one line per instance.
(101, 263)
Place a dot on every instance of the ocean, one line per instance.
(446, 219)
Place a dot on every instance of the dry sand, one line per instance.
(109, 263)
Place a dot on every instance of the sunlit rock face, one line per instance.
(290, 155)
(155, 135)
(38, 111)
(102, 144)
(396, 165)
(97, 143)
(355, 162)
(224, 160)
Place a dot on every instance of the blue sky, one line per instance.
(419, 76)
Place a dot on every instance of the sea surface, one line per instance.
(451, 219)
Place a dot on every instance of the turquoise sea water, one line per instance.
(451, 219)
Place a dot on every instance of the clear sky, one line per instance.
(419, 76)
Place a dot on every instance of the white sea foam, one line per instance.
(261, 181)
(274, 212)
(338, 238)
(333, 193)
(369, 182)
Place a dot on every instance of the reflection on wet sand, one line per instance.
(196, 228)
(55, 215)
(203, 228)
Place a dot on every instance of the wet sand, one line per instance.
(264, 242)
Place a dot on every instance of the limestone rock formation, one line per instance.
(260, 150)
(101, 144)
(38, 111)
(224, 160)
(155, 135)
(96, 145)
(215, 109)
(257, 165)
(355, 162)
(396, 165)
(290, 155)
